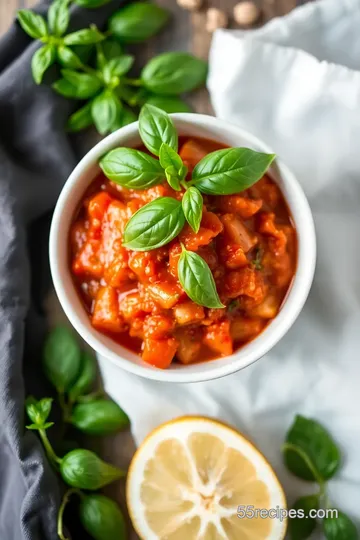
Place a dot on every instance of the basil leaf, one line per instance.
(301, 528)
(111, 49)
(172, 178)
(87, 36)
(86, 377)
(77, 85)
(310, 452)
(61, 358)
(58, 17)
(91, 4)
(100, 417)
(169, 104)
(169, 158)
(339, 528)
(131, 168)
(41, 60)
(174, 73)
(67, 58)
(118, 66)
(154, 225)
(83, 469)
(156, 127)
(197, 280)
(124, 118)
(102, 518)
(192, 204)
(80, 119)
(104, 110)
(138, 21)
(32, 23)
(230, 170)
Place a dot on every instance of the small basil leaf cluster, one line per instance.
(222, 172)
(311, 454)
(112, 100)
(73, 373)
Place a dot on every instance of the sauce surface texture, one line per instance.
(248, 240)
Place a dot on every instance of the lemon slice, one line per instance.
(190, 475)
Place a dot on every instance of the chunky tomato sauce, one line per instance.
(248, 240)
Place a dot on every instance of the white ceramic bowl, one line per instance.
(83, 175)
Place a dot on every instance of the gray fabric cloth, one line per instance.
(35, 159)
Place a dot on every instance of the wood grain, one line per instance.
(186, 31)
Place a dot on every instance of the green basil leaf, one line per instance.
(100, 417)
(111, 49)
(80, 119)
(172, 177)
(301, 528)
(154, 225)
(77, 85)
(131, 168)
(83, 469)
(87, 36)
(58, 17)
(44, 407)
(91, 4)
(32, 23)
(169, 104)
(197, 280)
(174, 73)
(104, 110)
(67, 58)
(310, 452)
(230, 170)
(125, 117)
(137, 22)
(192, 204)
(339, 528)
(102, 518)
(169, 158)
(156, 127)
(41, 60)
(61, 358)
(86, 377)
(118, 66)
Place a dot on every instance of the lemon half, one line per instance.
(190, 475)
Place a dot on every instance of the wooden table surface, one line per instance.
(185, 32)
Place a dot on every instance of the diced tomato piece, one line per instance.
(88, 260)
(266, 190)
(106, 314)
(236, 232)
(174, 255)
(245, 281)
(78, 236)
(165, 294)
(209, 255)
(118, 272)
(244, 207)
(188, 312)
(113, 225)
(143, 264)
(217, 337)
(233, 256)
(137, 327)
(243, 328)
(98, 205)
(159, 352)
(189, 344)
(191, 153)
(158, 326)
(210, 227)
(161, 190)
(213, 315)
(268, 308)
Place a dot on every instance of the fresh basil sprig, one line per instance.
(154, 225)
(156, 128)
(138, 21)
(132, 168)
(311, 454)
(192, 204)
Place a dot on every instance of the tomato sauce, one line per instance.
(248, 240)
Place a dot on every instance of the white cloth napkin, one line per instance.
(293, 84)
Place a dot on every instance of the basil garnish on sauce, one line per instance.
(197, 280)
(192, 204)
(156, 128)
(154, 225)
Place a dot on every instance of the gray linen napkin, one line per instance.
(35, 159)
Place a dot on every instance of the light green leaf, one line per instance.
(41, 60)
(32, 23)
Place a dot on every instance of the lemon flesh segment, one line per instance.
(188, 484)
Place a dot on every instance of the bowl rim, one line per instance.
(259, 346)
